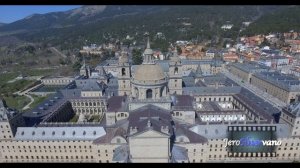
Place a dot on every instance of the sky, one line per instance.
(11, 13)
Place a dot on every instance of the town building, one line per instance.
(175, 111)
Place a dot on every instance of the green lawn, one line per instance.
(7, 89)
(38, 72)
(37, 100)
(74, 119)
(95, 118)
(17, 102)
(7, 77)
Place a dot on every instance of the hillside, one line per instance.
(96, 24)
(282, 20)
(74, 17)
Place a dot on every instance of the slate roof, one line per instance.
(157, 116)
(47, 106)
(251, 67)
(286, 82)
(192, 136)
(261, 107)
(110, 134)
(183, 102)
(116, 103)
(59, 133)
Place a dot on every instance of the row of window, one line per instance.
(214, 99)
(59, 147)
(88, 103)
(7, 137)
(55, 151)
(51, 157)
(2, 126)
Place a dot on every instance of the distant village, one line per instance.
(281, 49)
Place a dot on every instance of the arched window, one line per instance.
(123, 72)
(183, 84)
(176, 70)
(94, 103)
(161, 91)
(149, 94)
(136, 92)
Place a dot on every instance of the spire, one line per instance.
(199, 71)
(175, 52)
(148, 42)
(83, 60)
(83, 65)
(148, 53)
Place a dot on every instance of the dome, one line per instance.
(149, 72)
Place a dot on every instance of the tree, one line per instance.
(179, 51)
(76, 66)
(265, 43)
(137, 58)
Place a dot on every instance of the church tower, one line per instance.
(124, 75)
(175, 74)
(85, 70)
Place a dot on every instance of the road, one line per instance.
(265, 96)
(25, 93)
(53, 49)
(31, 101)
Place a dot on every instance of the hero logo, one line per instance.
(249, 141)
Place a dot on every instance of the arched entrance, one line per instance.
(149, 94)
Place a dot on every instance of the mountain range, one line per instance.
(95, 24)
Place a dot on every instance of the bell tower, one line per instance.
(175, 74)
(124, 75)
